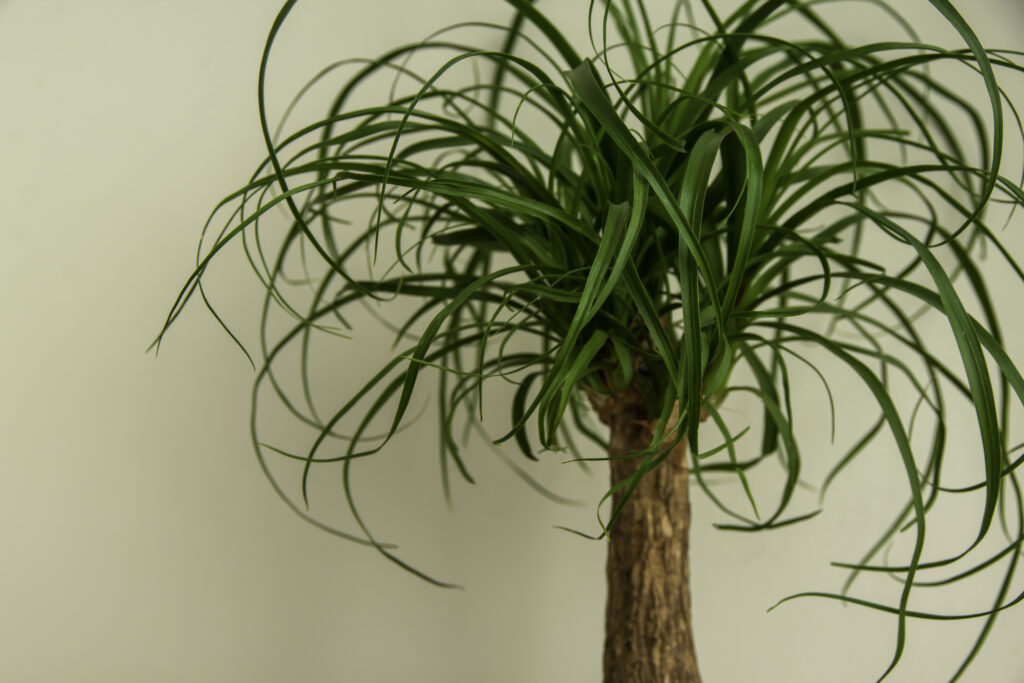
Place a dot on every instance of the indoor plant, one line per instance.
(673, 220)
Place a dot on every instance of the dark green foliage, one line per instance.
(702, 206)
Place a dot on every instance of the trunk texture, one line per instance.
(648, 627)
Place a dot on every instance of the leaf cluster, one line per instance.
(681, 207)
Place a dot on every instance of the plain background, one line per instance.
(138, 539)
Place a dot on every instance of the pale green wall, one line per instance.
(140, 543)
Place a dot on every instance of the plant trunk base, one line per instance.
(648, 627)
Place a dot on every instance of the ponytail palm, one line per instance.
(635, 232)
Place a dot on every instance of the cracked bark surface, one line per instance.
(648, 625)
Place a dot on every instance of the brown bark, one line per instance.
(648, 626)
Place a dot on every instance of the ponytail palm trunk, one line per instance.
(648, 623)
(683, 213)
